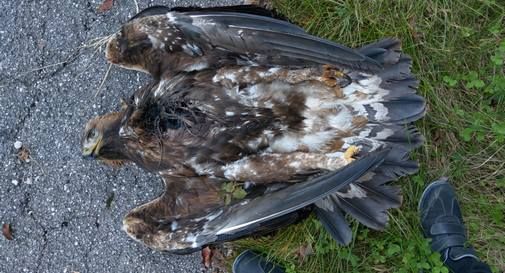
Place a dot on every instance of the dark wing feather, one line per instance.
(239, 20)
(282, 202)
(333, 220)
(268, 41)
(191, 212)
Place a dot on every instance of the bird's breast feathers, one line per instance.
(241, 111)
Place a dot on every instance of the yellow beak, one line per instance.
(90, 149)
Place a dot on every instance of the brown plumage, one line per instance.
(161, 40)
(195, 197)
(242, 97)
(260, 126)
(100, 134)
(192, 120)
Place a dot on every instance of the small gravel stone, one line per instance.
(18, 144)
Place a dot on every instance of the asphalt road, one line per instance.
(65, 212)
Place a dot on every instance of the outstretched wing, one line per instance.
(246, 217)
(191, 212)
(192, 40)
(265, 40)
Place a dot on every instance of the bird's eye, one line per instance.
(122, 42)
(92, 134)
(123, 45)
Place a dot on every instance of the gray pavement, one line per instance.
(57, 203)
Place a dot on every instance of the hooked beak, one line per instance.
(89, 151)
(88, 156)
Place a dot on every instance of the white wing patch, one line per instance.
(381, 111)
(156, 42)
(196, 66)
(353, 192)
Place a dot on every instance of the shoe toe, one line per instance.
(250, 262)
(438, 199)
(441, 217)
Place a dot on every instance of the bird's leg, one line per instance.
(215, 257)
(267, 168)
(327, 75)
(350, 152)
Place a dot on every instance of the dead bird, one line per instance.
(286, 136)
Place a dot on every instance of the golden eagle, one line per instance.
(256, 101)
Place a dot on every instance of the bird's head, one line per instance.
(101, 139)
(131, 48)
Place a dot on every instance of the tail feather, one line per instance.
(403, 104)
(404, 137)
(401, 139)
(397, 169)
(400, 88)
(398, 71)
(388, 196)
(394, 87)
(385, 51)
(389, 125)
(368, 203)
(402, 110)
(333, 220)
(366, 210)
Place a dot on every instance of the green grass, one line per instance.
(458, 50)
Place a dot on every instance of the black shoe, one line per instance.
(442, 221)
(250, 262)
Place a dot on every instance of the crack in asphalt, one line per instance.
(26, 207)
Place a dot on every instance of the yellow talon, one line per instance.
(350, 152)
(339, 74)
